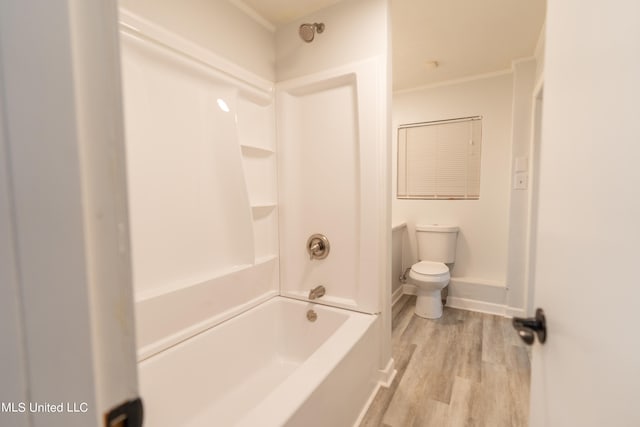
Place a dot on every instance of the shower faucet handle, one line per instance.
(315, 247)
(318, 246)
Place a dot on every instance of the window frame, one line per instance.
(406, 195)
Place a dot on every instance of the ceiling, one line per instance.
(279, 12)
(465, 37)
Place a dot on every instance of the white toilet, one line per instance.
(436, 248)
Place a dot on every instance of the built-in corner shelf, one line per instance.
(256, 138)
(260, 210)
(263, 205)
(252, 150)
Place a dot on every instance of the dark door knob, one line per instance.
(529, 327)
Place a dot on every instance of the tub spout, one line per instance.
(317, 292)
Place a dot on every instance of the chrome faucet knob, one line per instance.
(318, 246)
(315, 248)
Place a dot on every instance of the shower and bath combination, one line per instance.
(308, 31)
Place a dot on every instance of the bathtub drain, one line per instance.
(312, 316)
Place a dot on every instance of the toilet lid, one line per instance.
(430, 268)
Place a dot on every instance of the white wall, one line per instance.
(216, 25)
(482, 242)
(523, 84)
(354, 30)
(539, 54)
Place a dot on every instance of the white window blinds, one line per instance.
(440, 160)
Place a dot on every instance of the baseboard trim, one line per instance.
(409, 289)
(514, 312)
(475, 305)
(385, 378)
(366, 406)
(470, 304)
(387, 374)
(397, 294)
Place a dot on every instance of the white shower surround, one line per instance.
(320, 376)
(195, 265)
(330, 145)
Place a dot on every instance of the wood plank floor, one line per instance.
(464, 369)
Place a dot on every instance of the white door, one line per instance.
(67, 340)
(587, 257)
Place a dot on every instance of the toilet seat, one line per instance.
(429, 271)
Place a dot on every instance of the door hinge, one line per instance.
(129, 414)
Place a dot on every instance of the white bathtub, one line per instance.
(269, 366)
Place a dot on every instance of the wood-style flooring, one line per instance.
(464, 369)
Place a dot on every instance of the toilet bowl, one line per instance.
(429, 278)
(436, 248)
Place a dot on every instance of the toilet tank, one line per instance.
(436, 242)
